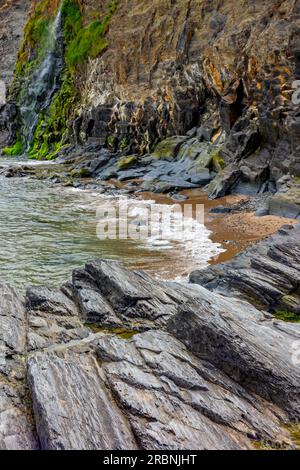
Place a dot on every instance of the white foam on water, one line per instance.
(191, 246)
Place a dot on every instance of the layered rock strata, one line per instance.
(117, 360)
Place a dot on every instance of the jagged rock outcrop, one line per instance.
(266, 274)
(17, 428)
(117, 360)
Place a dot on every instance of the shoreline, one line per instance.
(179, 354)
(234, 230)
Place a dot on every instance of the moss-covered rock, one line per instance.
(294, 430)
(68, 183)
(168, 148)
(82, 40)
(217, 162)
(190, 149)
(81, 173)
(127, 162)
(16, 149)
(287, 316)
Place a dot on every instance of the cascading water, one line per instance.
(45, 82)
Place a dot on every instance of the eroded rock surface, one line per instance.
(17, 430)
(72, 406)
(266, 274)
(117, 360)
(13, 16)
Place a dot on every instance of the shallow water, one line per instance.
(45, 232)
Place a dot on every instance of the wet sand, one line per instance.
(235, 231)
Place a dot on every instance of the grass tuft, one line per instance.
(287, 316)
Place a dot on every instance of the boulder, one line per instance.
(168, 148)
(201, 177)
(127, 162)
(221, 185)
(286, 202)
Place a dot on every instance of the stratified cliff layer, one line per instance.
(128, 74)
(170, 65)
(13, 17)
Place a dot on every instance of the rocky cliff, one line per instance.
(130, 74)
(117, 360)
(184, 94)
(13, 16)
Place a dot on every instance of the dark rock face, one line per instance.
(9, 124)
(13, 15)
(207, 67)
(12, 21)
(266, 274)
(286, 201)
(118, 360)
(17, 429)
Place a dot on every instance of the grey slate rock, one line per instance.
(266, 274)
(72, 406)
(162, 366)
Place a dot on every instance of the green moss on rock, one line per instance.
(84, 42)
(217, 162)
(168, 148)
(81, 43)
(294, 430)
(111, 141)
(287, 316)
(123, 333)
(16, 149)
(34, 45)
(127, 162)
(81, 173)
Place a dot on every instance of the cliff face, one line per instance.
(172, 64)
(137, 72)
(13, 16)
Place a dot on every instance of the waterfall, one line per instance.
(44, 82)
